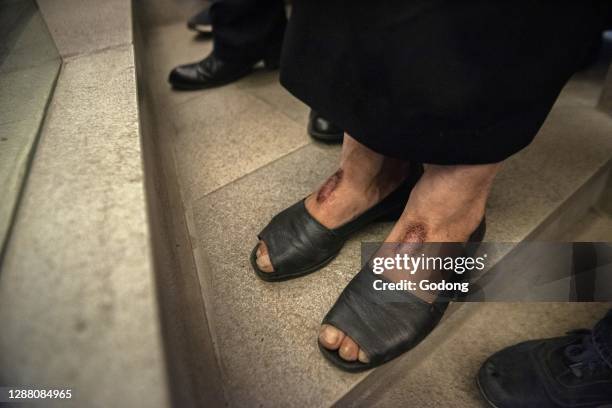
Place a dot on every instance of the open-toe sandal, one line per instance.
(298, 244)
(384, 324)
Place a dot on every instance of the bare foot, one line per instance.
(363, 179)
(446, 205)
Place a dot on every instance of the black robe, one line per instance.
(438, 81)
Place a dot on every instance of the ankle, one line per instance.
(376, 180)
(443, 221)
(423, 228)
(393, 173)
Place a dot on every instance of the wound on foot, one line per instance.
(330, 185)
(416, 232)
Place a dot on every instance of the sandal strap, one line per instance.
(383, 323)
(294, 238)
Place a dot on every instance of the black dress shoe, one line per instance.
(565, 372)
(201, 22)
(212, 71)
(323, 130)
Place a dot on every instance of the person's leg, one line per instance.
(245, 32)
(363, 178)
(248, 30)
(446, 205)
(201, 22)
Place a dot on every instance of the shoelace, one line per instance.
(583, 358)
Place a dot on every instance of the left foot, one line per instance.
(446, 205)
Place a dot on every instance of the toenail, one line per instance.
(363, 357)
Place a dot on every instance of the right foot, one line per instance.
(363, 179)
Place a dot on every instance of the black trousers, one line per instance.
(247, 30)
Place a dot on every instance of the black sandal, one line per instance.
(298, 244)
(384, 324)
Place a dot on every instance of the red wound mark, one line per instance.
(415, 233)
(329, 186)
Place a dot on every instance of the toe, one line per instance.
(263, 258)
(363, 357)
(330, 337)
(348, 349)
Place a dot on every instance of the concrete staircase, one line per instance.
(237, 155)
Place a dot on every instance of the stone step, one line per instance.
(242, 155)
(441, 372)
(266, 333)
